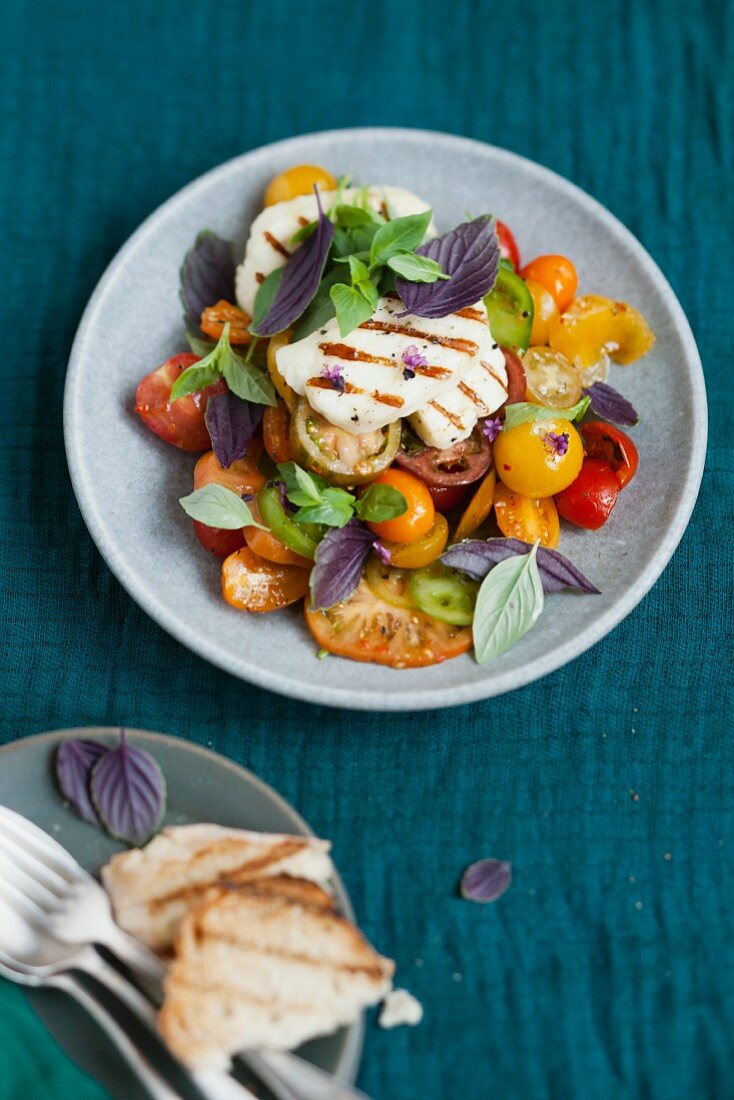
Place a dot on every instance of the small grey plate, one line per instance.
(202, 786)
(128, 482)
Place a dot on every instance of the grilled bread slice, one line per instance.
(152, 888)
(267, 964)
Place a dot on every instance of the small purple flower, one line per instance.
(382, 552)
(491, 428)
(334, 376)
(413, 358)
(558, 444)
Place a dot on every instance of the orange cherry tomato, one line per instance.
(178, 422)
(557, 274)
(214, 318)
(479, 508)
(276, 432)
(368, 628)
(298, 181)
(614, 447)
(523, 518)
(266, 545)
(418, 520)
(250, 583)
(418, 554)
(242, 478)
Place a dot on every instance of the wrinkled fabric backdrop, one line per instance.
(606, 971)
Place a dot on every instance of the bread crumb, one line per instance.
(400, 1007)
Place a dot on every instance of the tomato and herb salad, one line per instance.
(393, 424)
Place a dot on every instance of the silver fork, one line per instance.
(77, 910)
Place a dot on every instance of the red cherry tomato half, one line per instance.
(613, 447)
(516, 382)
(218, 540)
(508, 244)
(180, 422)
(588, 501)
(447, 497)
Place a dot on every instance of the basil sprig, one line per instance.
(523, 411)
(319, 502)
(508, 604)
(242, 376)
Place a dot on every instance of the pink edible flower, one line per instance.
(413, 358)
(557, 443)
(334, 376)
(491, 428)
(382, 552)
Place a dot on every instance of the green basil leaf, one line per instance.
(358, 270)
(523, 411)
(509, 601)
(219, 507)
(335, 509)
(198, 376)
(265, 297)
(348, 217)
(301, 487)
(400, 235)
(351, 308)
(246, 380)
(199, 346)
(416, 269)
(380, 502)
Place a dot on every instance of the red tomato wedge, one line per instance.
(602, 440)
(180, 422)
(368, 628)
(508, 244)
(276, 432)
(516, 382)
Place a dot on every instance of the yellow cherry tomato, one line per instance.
(557, 274)
(550, 379)
(545, 312)
(418, 554)
(421, 513)
(478, 509)
(274, 344)
(526, 518)
(539, 458)
(298, 181)
(594, 324)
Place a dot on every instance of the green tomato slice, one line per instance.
(301, 538)
(510, 311)
(388, 583)
(339, 456)
(445, 594)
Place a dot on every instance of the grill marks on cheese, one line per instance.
(464, 377)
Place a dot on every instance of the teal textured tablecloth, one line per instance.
(607, 971)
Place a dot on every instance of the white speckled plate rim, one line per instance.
(498, 683)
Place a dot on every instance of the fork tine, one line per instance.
(44, 846)
(24, 905)
(23, 880)
(27, 861)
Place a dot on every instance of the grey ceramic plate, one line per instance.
(202, 786)
(127, 482)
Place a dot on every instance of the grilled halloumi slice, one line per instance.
(271, 236)
(375, 388)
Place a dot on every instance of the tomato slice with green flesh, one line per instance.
(389, 584)
(614, 447)
(445, 594)
(366, 628)
(588, 501)
(181, 422)
(461, 464)
(526, 518)
(250, 583)
(301, 538)
(416, 555)
(479, 508)
(339, 456)
(510, 311)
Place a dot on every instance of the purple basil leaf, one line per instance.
(74, 762)
(486, 880)
(231, 422)
(470, 254)
(207, 275)
(301, 277)
(607, 403)
(129, 792)
(477, 556)
(339, 561)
